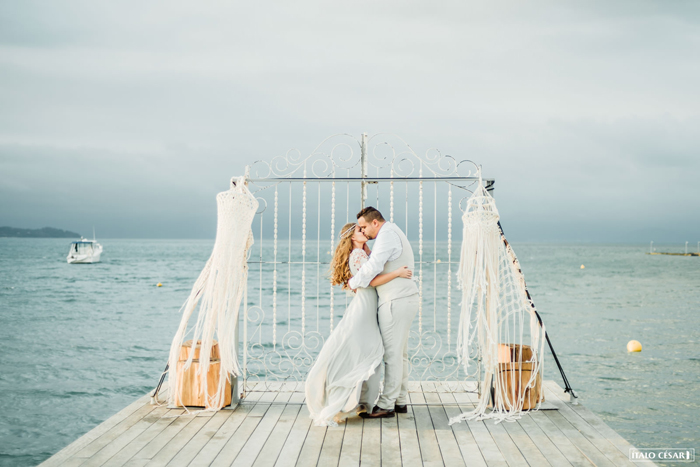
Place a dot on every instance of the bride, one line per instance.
(353, 353)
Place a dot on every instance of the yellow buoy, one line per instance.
(583, 267)
(634, 346)
(160, 285)
(439, 261)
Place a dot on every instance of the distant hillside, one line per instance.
(46, 232)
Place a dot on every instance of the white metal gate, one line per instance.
(304, 200)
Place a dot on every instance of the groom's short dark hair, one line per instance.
(370, 214)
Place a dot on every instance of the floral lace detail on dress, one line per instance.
(357, 258)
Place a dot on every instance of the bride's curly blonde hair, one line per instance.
(340, 269)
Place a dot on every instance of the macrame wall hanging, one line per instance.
(218, 291)
(496, 309)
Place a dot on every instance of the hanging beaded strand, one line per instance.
(435, 260)
(391, 197)
(303, 259)
(318, 261)
(449, 267)
(332, 247)
(420, 252)
(274, 277)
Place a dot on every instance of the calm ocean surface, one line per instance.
(83, 341)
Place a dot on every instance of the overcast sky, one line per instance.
(131, 115)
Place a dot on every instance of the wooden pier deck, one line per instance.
(272, 427)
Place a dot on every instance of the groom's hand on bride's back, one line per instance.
(405, 272)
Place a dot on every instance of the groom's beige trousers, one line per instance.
(395, 318)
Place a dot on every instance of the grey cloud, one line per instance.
(582, 111)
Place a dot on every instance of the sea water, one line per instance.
(80, 342)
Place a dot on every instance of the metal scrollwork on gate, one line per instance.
(291, 307)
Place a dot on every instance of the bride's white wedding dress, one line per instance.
(351, 355)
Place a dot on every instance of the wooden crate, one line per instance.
(513, 378)
(187, 348)
(191, 393)
(514, 375)
(510, 353)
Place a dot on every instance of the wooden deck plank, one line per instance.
(266, 399)
(352, 443)
(295, 441)
(568, 449)
(273, 446)
(528, 449)
(414, 386)
(272, 427)
(577, 439)
(510, 451)
(489, 448)
(121, 441)
(112, 434)
(450, 386)
(136, 463)
(274, 386)
(471, 453)
(429, 448)
(233, 446)
(470, 397)
(391, 446)
(473, 397)
(451, 454)
(545, 444)
(164, 437)
(258, 438)
(289, 386)
(237, 441)
(371, 451)
(332, 444)
(190, 450)
(596, 438)
(592, 419)
(128, 451)
(61, 456)
(209, 452)
(311, 449)
(170, 450)
(428, 386)
(74, 462)
(408, 438)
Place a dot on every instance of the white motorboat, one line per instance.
(84, 252)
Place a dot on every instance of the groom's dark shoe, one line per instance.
(401, 408)
(378, 412)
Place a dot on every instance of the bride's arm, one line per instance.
(382, 279)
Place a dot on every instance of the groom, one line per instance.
(397, 306)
